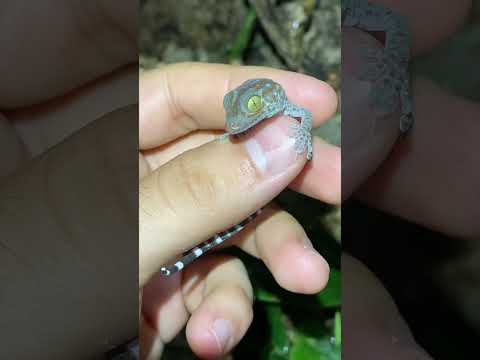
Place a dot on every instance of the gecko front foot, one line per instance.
(303, 140)
(302, 130)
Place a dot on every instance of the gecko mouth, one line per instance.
(237, 130)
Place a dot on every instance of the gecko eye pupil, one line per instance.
(254, 104)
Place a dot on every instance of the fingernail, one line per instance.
(222, 330)
(271, 146)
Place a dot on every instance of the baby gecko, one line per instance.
(245, 106)
(387, 67)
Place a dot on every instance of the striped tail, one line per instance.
(208, 245)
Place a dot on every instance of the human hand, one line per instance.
(62, 45)
(373, 327)
(192, 187)
(404, 177)
(56, 79)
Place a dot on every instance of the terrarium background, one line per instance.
(302, 36)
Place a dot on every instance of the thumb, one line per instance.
(368, 133)
(373, 324)
(208, 189)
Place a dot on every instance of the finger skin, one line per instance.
(321, 178)
(150, 343)
(58, 119)
(72, 43)
(445, 17)
(432, 177)
(50, 268)
(367, 133)
(215, 282)
(181, 98)
(163, 314)
(191, 197)
(219, 296)
(280, 241)
(163, 306)
(370, 323)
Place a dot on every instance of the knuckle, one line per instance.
(202, 188)
(239, 287)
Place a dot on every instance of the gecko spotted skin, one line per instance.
(246, 106)
(387, 67)
(259, 99)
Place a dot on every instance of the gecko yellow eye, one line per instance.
(255, 104)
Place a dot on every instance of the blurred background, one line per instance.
(297, 35)
(434, 279)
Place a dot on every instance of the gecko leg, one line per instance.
(386, 67)
(208, 245)
(303, 130)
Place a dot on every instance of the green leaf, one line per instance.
(331, 296)
(235, 53)
(264, 295)
(306, 348)
(330, 130)
(280, 341)
(338, 329)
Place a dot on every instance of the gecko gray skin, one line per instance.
(387, 67)
(246, 106)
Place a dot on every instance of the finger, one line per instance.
(319, 179)
(177, 99)
(206, 190)
(59, 119)
(79, 43)
(163, 154)
(219, 295)
(163, 306)
(280, 241)
(370, 322)
(445, 18)
(368, 134)
(163, 314)
(151, 344)
(436, 169)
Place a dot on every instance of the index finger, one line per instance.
(177, 99)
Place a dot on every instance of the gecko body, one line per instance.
(245, 106)
(388, 66)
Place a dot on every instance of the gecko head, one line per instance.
(251, 102)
